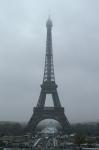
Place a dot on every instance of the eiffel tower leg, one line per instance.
(56, 100)
(31, 127)
(41, 101)
(65, 123)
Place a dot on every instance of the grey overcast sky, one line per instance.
(76, 56)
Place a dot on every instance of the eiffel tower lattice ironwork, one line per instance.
(48, 86)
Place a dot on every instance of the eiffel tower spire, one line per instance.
(49, 67)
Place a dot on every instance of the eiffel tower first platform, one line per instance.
(40, 112)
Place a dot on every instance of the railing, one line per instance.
(48, 108)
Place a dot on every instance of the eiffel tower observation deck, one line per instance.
(49, 86)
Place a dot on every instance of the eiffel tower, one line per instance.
(40, 112)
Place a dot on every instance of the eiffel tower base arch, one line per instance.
(39, 114)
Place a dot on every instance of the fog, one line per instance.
(76, 56)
